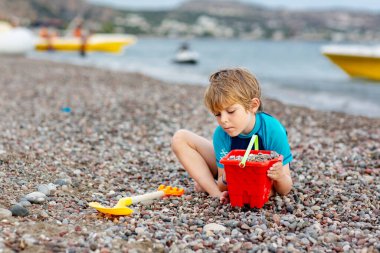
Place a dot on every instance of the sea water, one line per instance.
(293, 72)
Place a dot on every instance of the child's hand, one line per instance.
(224, 198)
(276, 172)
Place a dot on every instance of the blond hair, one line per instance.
(231, 86)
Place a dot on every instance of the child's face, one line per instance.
(235, 119)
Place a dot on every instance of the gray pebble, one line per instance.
(61, 182)
(22, 182)
(232, 223)
(19, 210)
(44, 214)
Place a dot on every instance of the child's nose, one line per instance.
(223, 117)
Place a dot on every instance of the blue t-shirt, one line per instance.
(271, 134)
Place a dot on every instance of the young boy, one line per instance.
(234, 97)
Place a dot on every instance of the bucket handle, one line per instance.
(254, 139)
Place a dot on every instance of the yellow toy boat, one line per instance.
(108, 43)
(356, 61)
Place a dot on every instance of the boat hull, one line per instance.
(358, 61)
(95, 43)
(190, 61)
(186, 57)
(357, 66)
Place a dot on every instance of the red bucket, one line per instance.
(248, 185)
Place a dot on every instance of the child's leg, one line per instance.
(196, 154)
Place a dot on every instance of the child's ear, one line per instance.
(255, 104)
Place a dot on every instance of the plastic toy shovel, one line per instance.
(121, 207)
(255, 140)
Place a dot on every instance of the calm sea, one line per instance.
(291, 71)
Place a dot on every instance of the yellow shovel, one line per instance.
(121, 207)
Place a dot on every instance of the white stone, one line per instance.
(4, 213)
(213, 227)
(44, 189)
(52, 187)
(36, 197)
(139, 230)
(29, 239)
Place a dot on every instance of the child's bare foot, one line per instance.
(224, 198)
(198, 188)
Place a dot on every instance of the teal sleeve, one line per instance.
(222, 144)
(279, 143)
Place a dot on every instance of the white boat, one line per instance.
(186, 56)
(356, 60)
(15, 40)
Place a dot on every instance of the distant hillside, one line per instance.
(223, 8)
(54, 12)
(202, 18)
(255, 20)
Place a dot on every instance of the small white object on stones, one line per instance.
(52, 187)
(213, 227)
(111, 193)
(29, 239)
(139, 230)
(36, 197)
(44, 188)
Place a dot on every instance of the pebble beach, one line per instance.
(71, 135)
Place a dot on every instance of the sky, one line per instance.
(373, 5)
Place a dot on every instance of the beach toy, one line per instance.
(247, 181)
(121, 207)
(66, 109)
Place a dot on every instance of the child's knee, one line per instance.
(179, 138)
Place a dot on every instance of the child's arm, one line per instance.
(282, 180)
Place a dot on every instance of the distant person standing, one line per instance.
(78, 30)
(81, 34)
(45, 33)
(184, 47)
